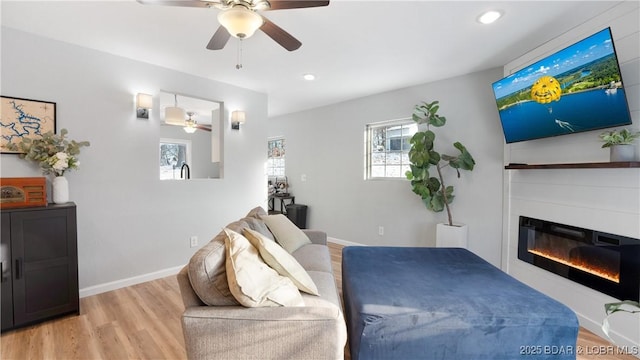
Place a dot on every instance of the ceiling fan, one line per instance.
(240, 18)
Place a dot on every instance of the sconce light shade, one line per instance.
(237, 117)
(144, 102)
(174, 115)
(240, 22)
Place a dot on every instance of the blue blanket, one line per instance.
(446, 303)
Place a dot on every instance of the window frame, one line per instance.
(368, 141)
(187, 145)
(281, 157)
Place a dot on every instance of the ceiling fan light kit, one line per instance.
(240, 22)
(190, 125)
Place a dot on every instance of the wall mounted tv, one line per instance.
(576, 89)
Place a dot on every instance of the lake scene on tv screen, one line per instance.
(576, 89)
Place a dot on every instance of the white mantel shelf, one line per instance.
(595, 165)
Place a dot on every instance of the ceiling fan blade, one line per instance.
(295, 4)
(280, 36)
(185, 3)
(219, 39)
(204, 127)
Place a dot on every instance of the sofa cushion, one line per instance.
(251, 281)
(281, 261)
(326, 288)
(286, 232)
(314, 257)
(207, 273)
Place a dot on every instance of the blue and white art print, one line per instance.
(24, 118)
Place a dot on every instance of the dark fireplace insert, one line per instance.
(604, 262)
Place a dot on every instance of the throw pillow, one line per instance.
(259, 226)
(286, 233)
(208, 276)
(252, 282)
(256, 212)
(281, 261)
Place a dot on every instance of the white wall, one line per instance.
(130, 224)
(327, 145)
(600, 199)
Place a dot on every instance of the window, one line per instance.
(275, 157)
(173, 154)
(387, 148)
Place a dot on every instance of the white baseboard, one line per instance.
(343, 242)
(118, 284)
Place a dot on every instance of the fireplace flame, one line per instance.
(586, 267)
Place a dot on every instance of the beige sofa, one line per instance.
(226, 330)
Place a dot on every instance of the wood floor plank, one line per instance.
(143, 322)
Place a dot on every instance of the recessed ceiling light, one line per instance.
(309, 77)
(490, 16)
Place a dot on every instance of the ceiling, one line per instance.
(354, 48)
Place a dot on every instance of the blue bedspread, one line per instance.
(447, 303)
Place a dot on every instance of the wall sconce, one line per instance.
(237, 117)
(144, 103)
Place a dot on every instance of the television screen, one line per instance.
(576, 89)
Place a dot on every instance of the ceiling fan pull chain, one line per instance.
(239, 64)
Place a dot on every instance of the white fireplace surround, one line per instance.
(601, 199)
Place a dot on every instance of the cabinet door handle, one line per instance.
(18, 268)
(2, 278)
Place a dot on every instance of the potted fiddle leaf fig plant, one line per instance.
(620, 143)
(427, 174)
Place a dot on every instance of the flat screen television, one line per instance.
(576, 89)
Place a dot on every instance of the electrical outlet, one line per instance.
(194, 241)
(380, 230)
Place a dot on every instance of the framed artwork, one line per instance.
(24, 118)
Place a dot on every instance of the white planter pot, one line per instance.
(622, 153)
(452, 236)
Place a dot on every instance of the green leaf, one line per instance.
(429, 137)
(408, 174)
(417, 138)
(434, 184)
(437, 120)
(463, 161)
(434, 157)
(437, 202)
(612, 308)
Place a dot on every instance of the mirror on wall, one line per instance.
(190, 144)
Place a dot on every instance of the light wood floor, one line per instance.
(142, 322)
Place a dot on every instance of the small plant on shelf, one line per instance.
(618, 137)
(620, 144)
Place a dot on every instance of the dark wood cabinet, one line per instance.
(39, 264)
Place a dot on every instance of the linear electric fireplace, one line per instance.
(604, 262)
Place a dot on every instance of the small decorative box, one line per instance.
(23, 192)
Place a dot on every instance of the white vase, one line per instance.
(60, 190)
(452, 236)
(622, 153)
